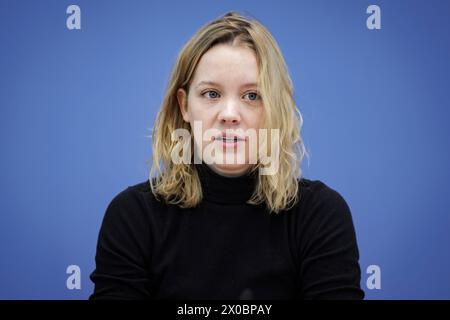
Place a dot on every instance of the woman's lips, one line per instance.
(229, 142)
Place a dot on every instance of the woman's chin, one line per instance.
(230, 170)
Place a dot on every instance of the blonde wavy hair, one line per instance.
(179, 184)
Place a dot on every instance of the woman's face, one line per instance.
(223, 95)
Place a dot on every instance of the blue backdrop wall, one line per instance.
(76, 108)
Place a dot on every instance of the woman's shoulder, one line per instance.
(140, 187)
(134, 201)
(317, 191)
(139, 193)
(131, 193)
(319, 200)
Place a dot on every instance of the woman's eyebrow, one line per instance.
(212, 83)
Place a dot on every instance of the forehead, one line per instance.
(227, 65)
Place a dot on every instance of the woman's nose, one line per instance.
(230, 112)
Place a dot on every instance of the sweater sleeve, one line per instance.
(329, 251)
(123, 248)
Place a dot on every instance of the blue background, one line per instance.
(77, 106)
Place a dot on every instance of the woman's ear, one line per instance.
(182, 103)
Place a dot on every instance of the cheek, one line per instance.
(200, 118)
(198, 111)
(256, 119)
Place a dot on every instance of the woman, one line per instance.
(204, 227)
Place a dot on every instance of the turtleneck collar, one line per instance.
(225, 190)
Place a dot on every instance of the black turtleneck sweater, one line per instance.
(225, 248)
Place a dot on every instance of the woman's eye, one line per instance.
(211, 94)
(252, 96)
